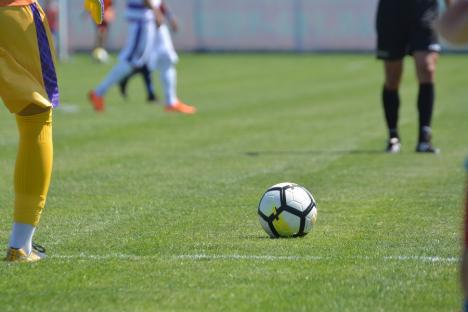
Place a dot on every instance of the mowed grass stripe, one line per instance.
(237, 257)
(150, 211)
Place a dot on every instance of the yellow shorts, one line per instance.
(27, 57)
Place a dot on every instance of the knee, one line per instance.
(33, 109)
(392, 82)
(35, 127)
(426, 68)
(426, 71)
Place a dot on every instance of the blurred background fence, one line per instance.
(246, 25)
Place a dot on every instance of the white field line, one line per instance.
(196, 257)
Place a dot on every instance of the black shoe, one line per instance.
(152, 98)
(123, 87)
(426, 147)
(393, 146)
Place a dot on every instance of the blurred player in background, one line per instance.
(52, 14)
(102, 31)
(143, 17)
(29, 89)
(405, 27)
(453, 26)
(164, 58)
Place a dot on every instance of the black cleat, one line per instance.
(426, 147)
(152, 98)
(123, 87)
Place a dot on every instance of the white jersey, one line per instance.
(138, 11)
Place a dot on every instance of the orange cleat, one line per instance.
(180, 107)
(97, 101)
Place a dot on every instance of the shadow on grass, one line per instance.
(255, 237)
(315, 152)
(265, 237)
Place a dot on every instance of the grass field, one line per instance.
(155, 212)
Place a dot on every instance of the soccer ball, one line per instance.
(100, 55)
(287, 210)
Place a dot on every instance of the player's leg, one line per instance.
(119, 71)
(100, 53)
(391, 24)
(32, 176)
(122, 68)
(147, 79)
(123, 83)
(391, 98)
(28, 87)
(425, 62)
(168, 77)
(101, 34)
(145, 56)
(166, 63)
(424, 47)
(134, 55)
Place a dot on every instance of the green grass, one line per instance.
(136, 192)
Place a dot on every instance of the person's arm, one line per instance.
(158, 16)
(169, 16)
(453, 24)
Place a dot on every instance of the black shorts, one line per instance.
(405, 26)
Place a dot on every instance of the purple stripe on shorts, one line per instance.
(47, 63)
(137, 6)
(136, 43)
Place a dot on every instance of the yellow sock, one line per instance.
(33, 166)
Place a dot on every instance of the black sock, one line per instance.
(425, 107)
(391, 104)
(148, 81)
(124, 81)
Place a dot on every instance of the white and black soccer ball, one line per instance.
(287, 210)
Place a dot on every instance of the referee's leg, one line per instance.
(425, 62)
(390, 95)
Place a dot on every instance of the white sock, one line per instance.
(119, 71)
(21, 237)
(168, 76)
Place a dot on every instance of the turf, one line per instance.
(150, 211)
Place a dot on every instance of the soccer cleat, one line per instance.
(152, 98)
(426, 147)
(180, 107)
(394, 146)
(19, 256)
(123, 87)
(96, 101)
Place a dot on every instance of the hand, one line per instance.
(174, 25)
(109, 15)
(453, 24)
(159, 17)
